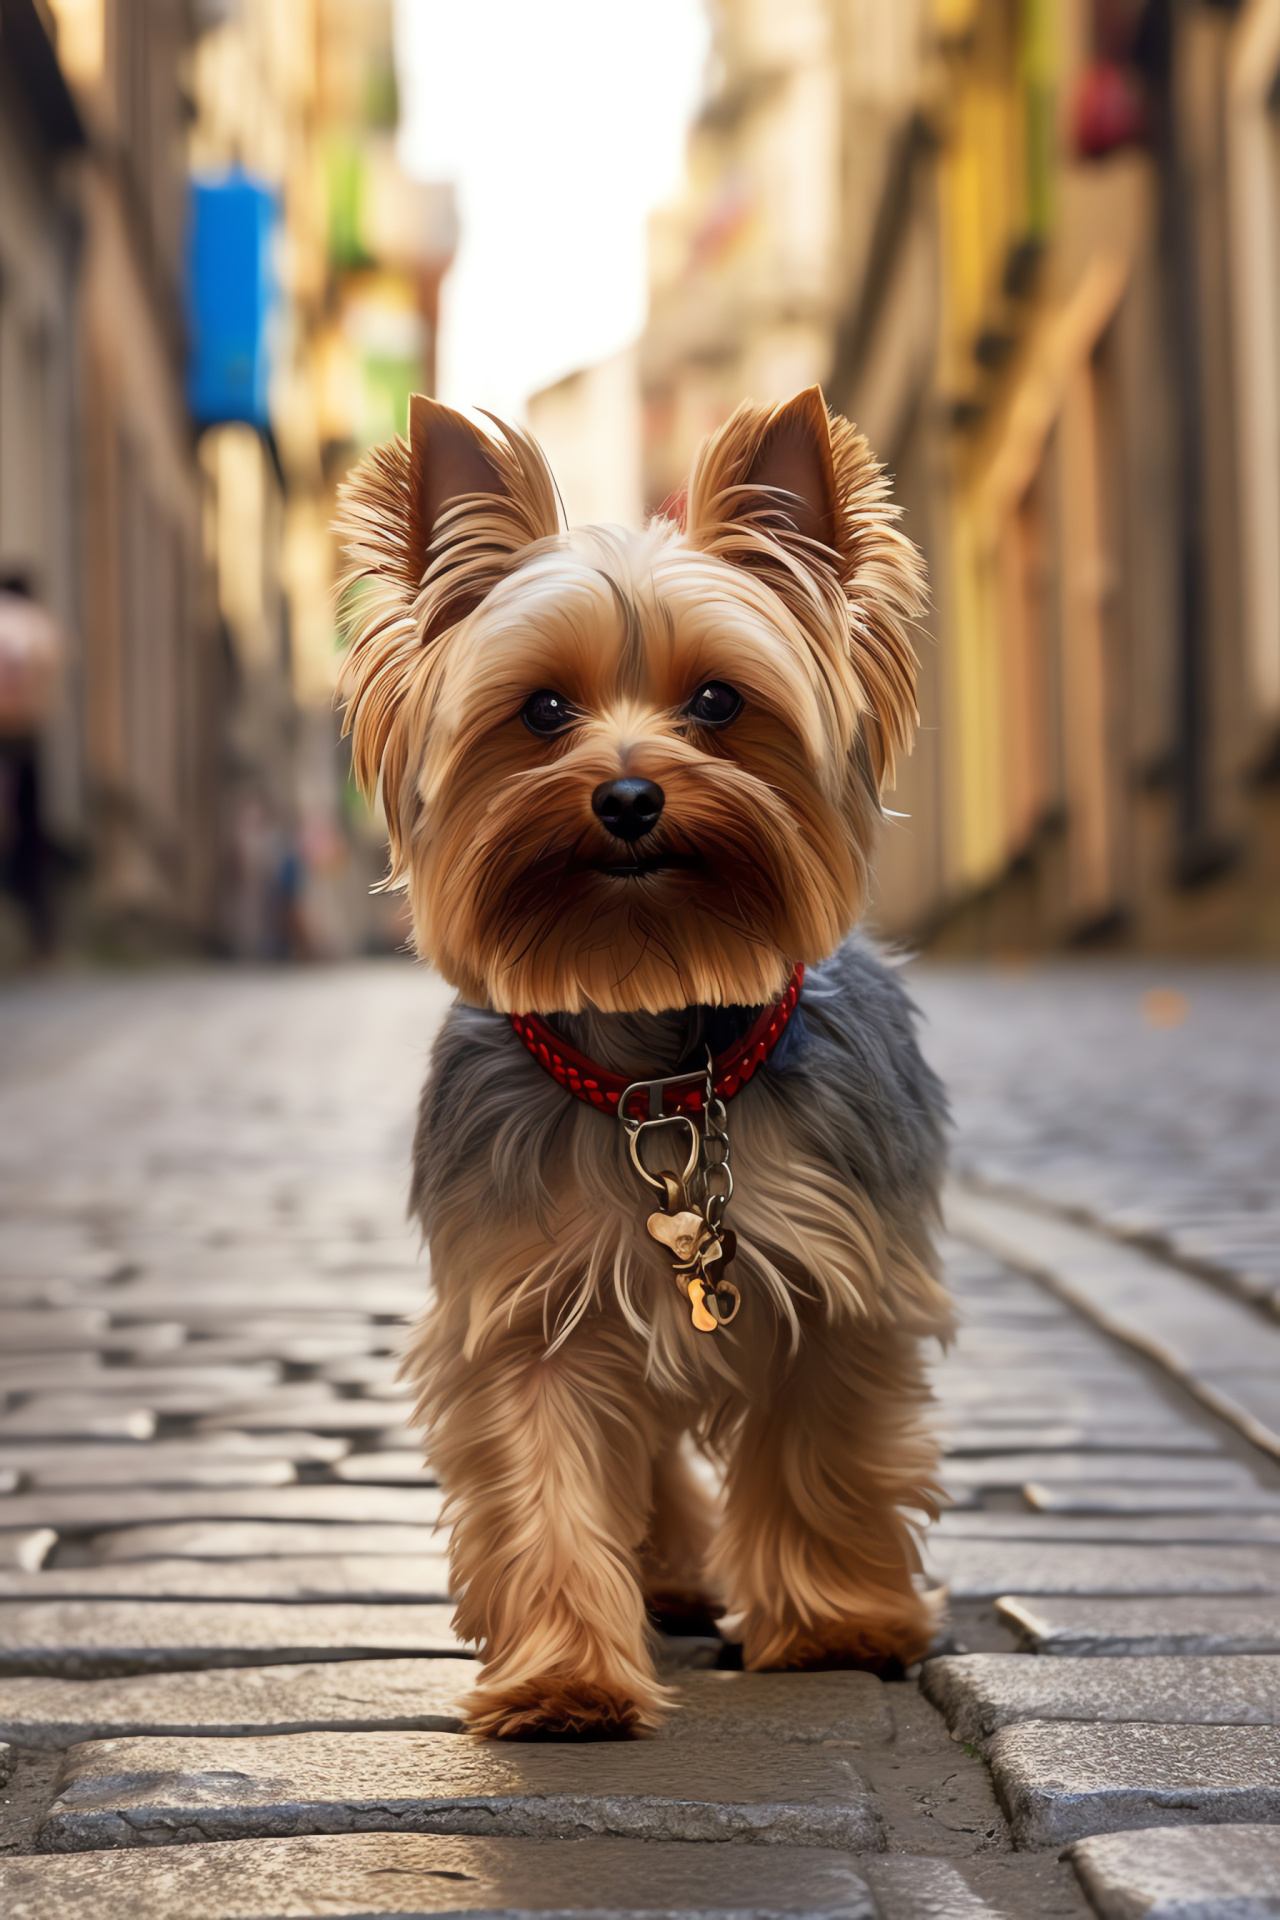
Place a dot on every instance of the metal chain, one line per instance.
(716, 1174)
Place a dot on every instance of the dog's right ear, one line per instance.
(449, 461)
(437, 519)
(429, 527)
(474, 502)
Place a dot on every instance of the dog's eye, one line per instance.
(547, 712)
(715, 705)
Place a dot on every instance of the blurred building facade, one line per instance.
(1032, 247)
(216, 288)
(295, 103)
(100, 492)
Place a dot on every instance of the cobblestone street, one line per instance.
(228, 1681)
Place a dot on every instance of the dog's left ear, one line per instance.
(429, 525)
(794, 494)
(771, 465)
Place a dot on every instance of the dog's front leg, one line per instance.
(545, 1459)
(817, 1555)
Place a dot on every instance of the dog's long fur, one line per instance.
(559, 1372)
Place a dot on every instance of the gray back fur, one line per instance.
(855, 1090)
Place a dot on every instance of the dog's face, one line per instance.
(630, 770)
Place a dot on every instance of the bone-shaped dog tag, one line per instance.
(703, 1320)
(681, 1232)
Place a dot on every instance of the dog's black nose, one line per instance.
(628, 809)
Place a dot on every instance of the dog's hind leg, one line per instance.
(817, 1559)
(545, 1460)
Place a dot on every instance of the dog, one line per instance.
(631, 782)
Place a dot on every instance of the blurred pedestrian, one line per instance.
(30, 664)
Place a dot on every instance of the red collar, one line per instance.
(600, 1088)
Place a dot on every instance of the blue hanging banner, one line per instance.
(231, 294)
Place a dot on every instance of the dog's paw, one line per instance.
(883, 1647)
(557, 1709)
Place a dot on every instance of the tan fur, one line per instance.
(557, 1367)
(814, 1399)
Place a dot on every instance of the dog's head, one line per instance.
(629, 770)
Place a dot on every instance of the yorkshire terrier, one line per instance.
(678, 1155)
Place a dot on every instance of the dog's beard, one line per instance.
(531, 907)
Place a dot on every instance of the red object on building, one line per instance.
(1109, 109)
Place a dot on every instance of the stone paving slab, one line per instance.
(49, 1464)
(983, 1336)
(375, 1578)
(1172, 1436)
(1167, 1624)
(156, 1465)
(395, 1439)
(402, 1466)
(1173, 1495)
(50, 1373)
(41, 1329)
(197, 1379)
(366, 1370)
(315, 1449)
(978, 1570)
(1254, 1382)
(1101, 1379)
(958, 1499)
(54, 1247)
(98, 1509)
(127, 1793)
(1182, 1873)
(1060, 1782)
(1100, 1370)
(262, 1330)
(343, 1695)
(780, 1709)
(246, 1341)
(1188, 1328)
(135, 1338)
(51, 1417)
(1039, 1392)
(328, 1416)
(1010, 1470)
(1188, 1529)
(182, 1402)
(23, 1549)
(260, 1539)
(400, 1876)
(980, 1692)
(1050, 1401)
(851, 1709)
(277, 1394)
(232, 1306)
(1024, 1887)
(920, 1889)
(86, 1639)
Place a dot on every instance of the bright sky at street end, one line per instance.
(563, 124)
